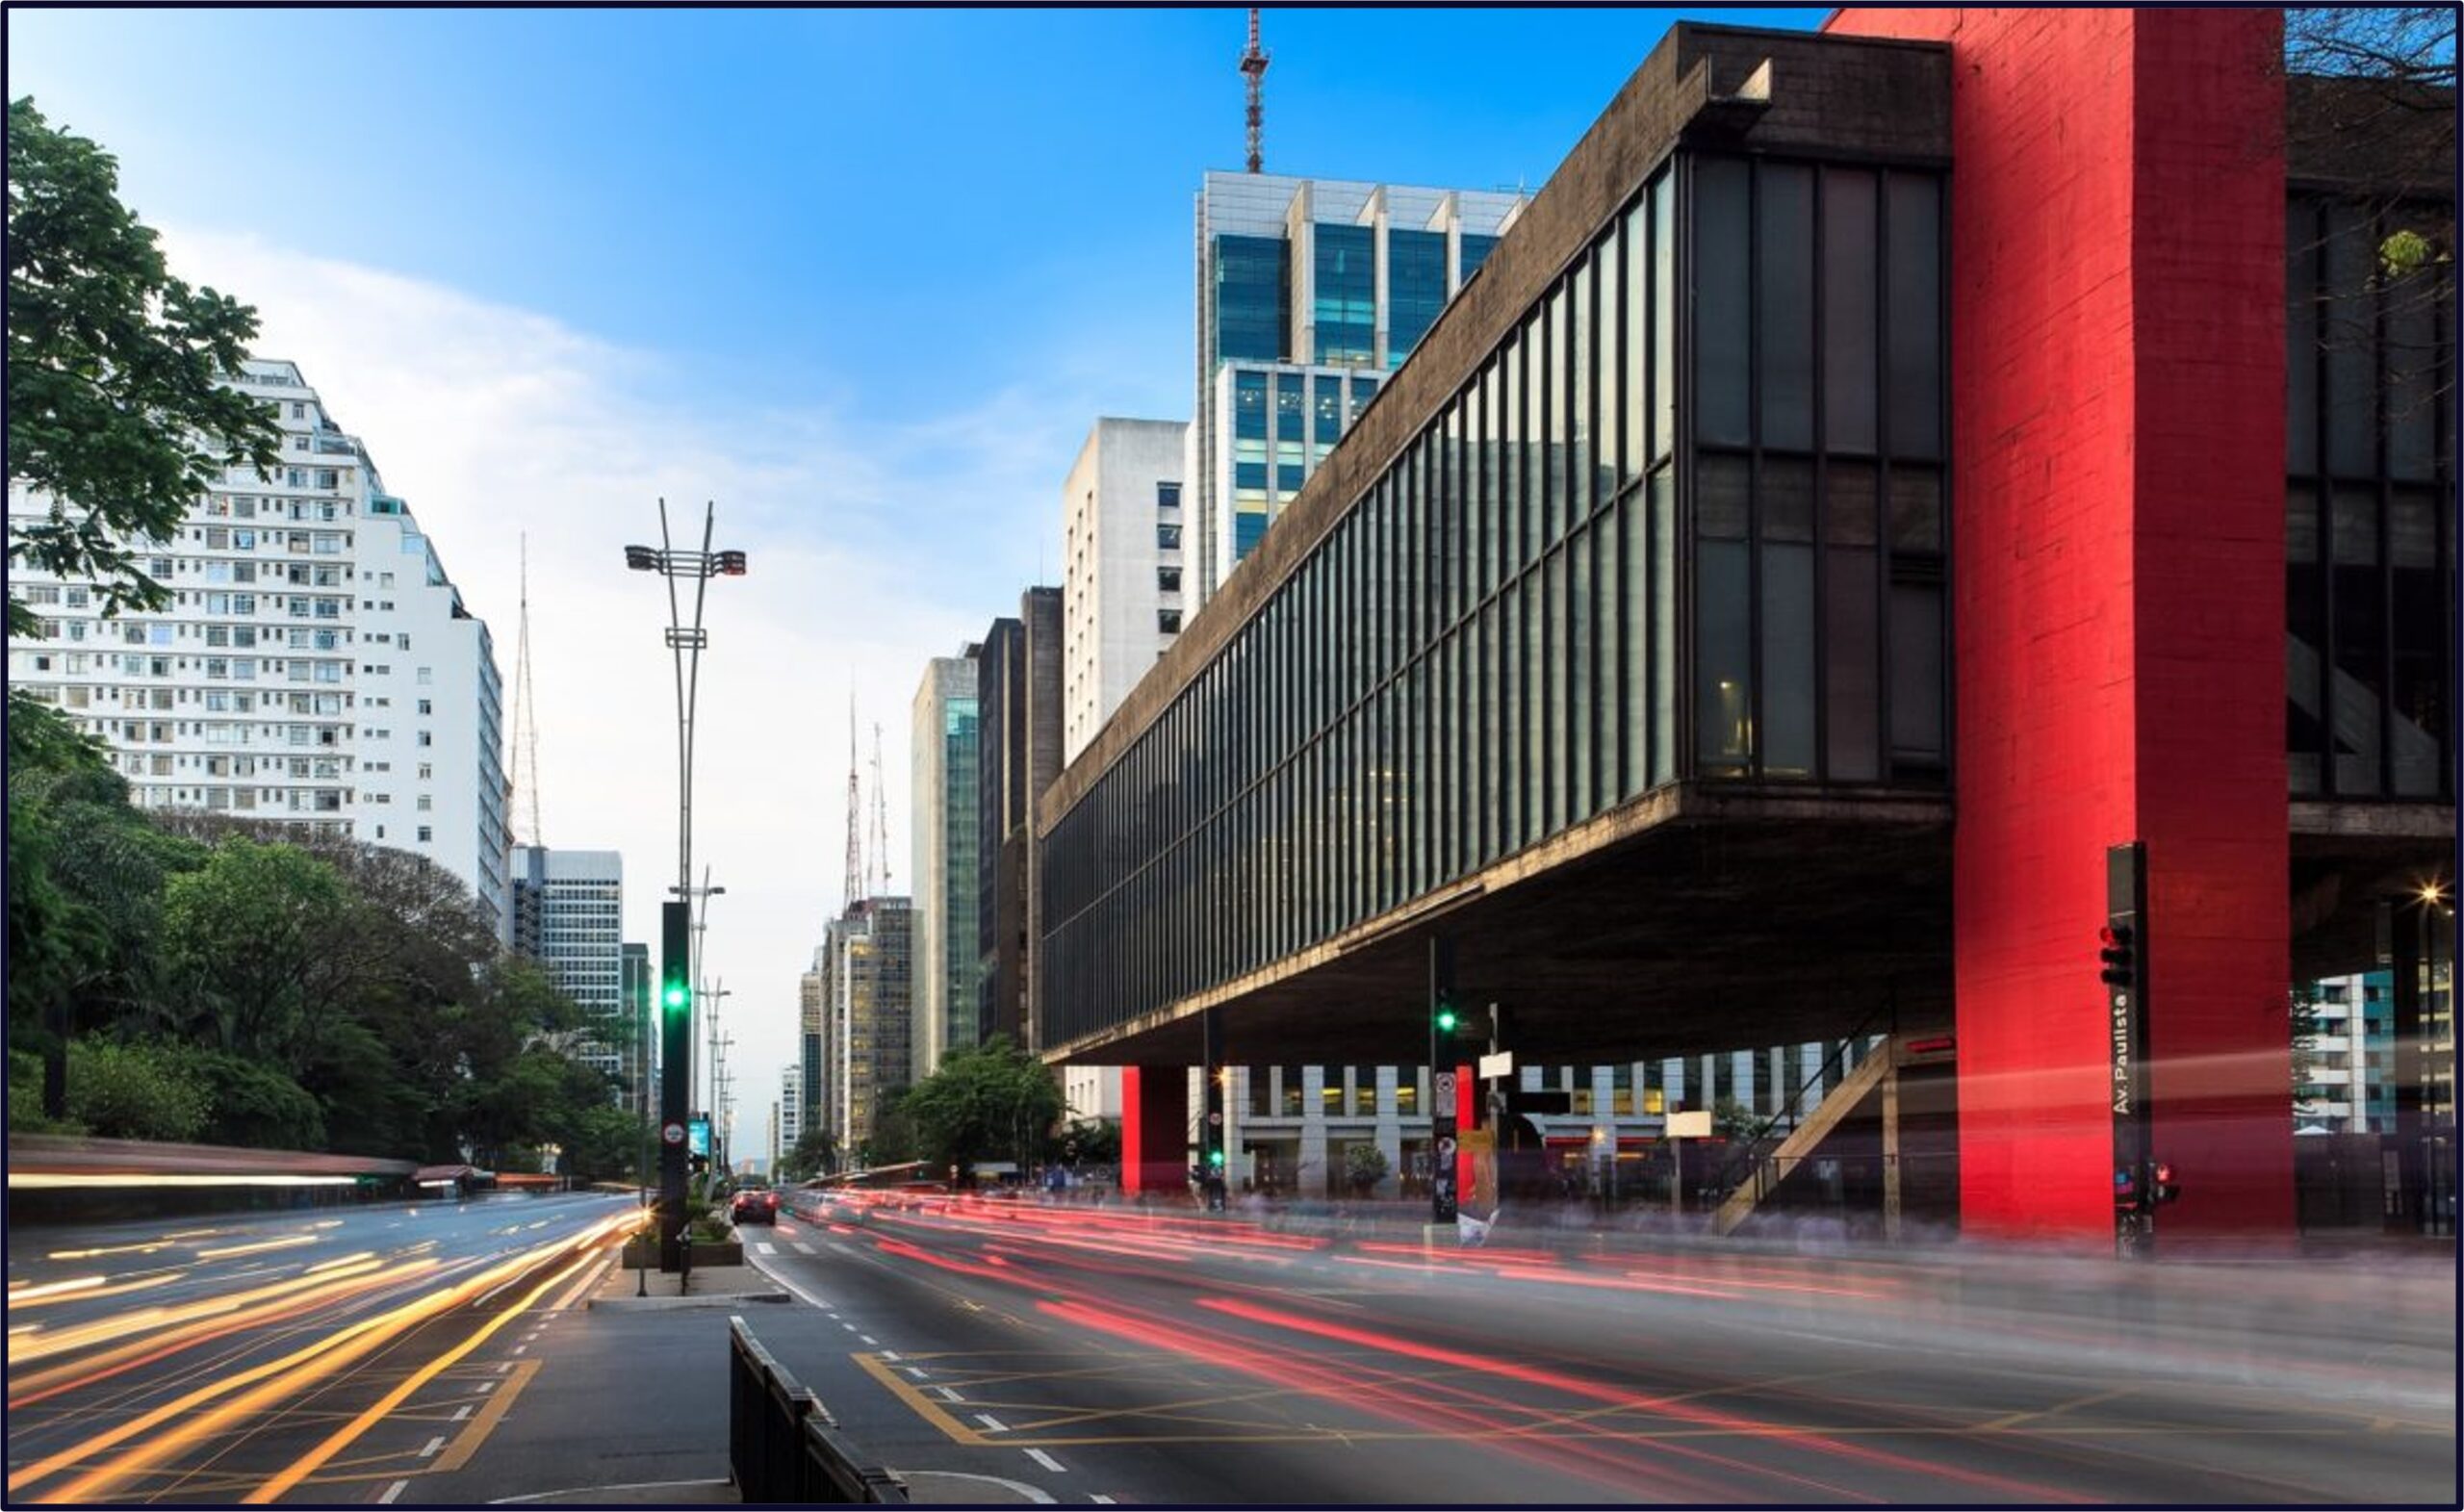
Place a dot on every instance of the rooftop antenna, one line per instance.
(1253, 66)
(855, 882)
(881, 816)
(524, 779)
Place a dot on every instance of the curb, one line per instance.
(686, 1301)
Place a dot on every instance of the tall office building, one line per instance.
(789, 1108)
(946, 833)
(315, 666)
(812, 1038)
(869, 1005)
(568, 916)
(1309, 292)
(1019, 754)
(1123, 551)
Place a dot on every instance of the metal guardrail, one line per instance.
(784, 1446)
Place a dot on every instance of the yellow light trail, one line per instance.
(258, 1248)
(87, 1288)
(109, 1249)
(121, 1324)
(20, 1296)
(281, 1378)
(342, 1437)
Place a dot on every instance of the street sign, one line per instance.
(700, 1135)
(1493, 1067)
(1445, 1149)
(1695, 1125)
(1443, 1086)
(672, 1134)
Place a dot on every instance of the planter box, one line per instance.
(730, 1252)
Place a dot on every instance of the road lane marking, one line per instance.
(394, 1490)
(868, 1338)
(923, 1406)
(434, 1444)
(460, 1413)
(1046, 1461)
(1102, 1500)
(949, 1394)
(849, 1328)
(467, 1442)
(918, 1373)
(575, 1491)
(890, 1354)
(993, 1422)
(520, 1349)
(806, 1249)
(760, 1248)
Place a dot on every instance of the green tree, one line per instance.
(1092, 1141)
(260, 938)
(135, 1091)
(1364, 1166)
(815, 1154)
(115, 414)
(990, 1101)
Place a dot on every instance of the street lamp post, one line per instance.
(675, 1030)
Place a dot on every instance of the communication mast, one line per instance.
(525, 778)
(880, 814)
(855, 882)
(1253, 66)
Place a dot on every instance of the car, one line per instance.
(759, 1206)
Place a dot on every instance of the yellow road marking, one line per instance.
(466, 1443)
(925, 1407)
(2012, 1420)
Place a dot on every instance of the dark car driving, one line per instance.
(755, 1205)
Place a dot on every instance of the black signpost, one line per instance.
(1445, 1202)
(2123, 951)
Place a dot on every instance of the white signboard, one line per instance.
(1696, 1125)
(1493, 1067)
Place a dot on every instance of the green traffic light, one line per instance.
(1446, 1020)
(1215, 1157)
(678, 996)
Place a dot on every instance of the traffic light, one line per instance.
(2125, 1190)
(676, 964)
(1214, 1161)
(732, 564)
(1446, 1019)
(2165, 1189)
(2119, 953)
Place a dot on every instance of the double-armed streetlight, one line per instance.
(677, 975)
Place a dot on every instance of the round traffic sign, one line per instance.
(1445, 1149)
(672, 1134)
(1215, 1117)
(1443, 1084)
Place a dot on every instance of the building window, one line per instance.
(1168, 620)
(1167, 495)
(426, 834)
(1168, 537)
(1167, 579)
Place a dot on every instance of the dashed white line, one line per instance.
(434, 1444)
(760, 1248)
(806, 1249)
(1046, 1461)
(486, 1386)
(504, 1368)
(868, 1338)
(519, 1347)
(1105, 1501)
(394, 1490)
(890, 1354)
(993, 1422)
(460, 1413)
(849, 1328)
(948, 1394)
(919, 1374)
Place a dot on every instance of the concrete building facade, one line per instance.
(870, 1008)
(568, 914)
(1019, 704)
(943, 746)
(1124, 552)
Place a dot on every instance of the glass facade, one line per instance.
(1345, 288)
(1415, 289)
(2369, 518)
(1250, 276)
(1525, 620)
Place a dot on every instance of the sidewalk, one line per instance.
(709, 1286)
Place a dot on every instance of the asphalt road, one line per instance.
(1096, 1355)
(319, 1356)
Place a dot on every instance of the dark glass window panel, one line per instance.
(1848, 353)
(1635, 363)
(1788, 660)
(1249, 529)
(1363, 389)
(1848, 504)
(1249, 475)
(1634, 524)
(1785, 338)
(1539, 494)
(2302, 337)
(2413, 352)
(1663, 315)
(1851, 652)
(1557, 668)
(2348, 327)
(1476, 251)
(1532, 632)
(1288, 477)
(1578, 389)
(1787, 499)
(1583, 650)
(1512, 501)
(1722, 332)
(2359, 683)
(1415, 289)
(1326, 410)
(1482, 473)
(2355, 520)
(1723, 671)
(1720, 496)
(1915, 233)
(1346, 294)
(1663, 492)
(1249, 406)
(1916, 671)
(2421, 729)
(1249, 279)
(1915, 510)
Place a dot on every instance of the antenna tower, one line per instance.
(525, 779)
(854, 883)
(1253, 66)
(880, 814)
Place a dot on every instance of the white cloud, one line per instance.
(872, 548)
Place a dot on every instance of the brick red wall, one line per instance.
(2116, 363)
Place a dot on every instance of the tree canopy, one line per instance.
(987, 1102)
(115, 411)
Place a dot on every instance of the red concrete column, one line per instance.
(1155, 1129)
(2118, 368)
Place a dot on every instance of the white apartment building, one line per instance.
(315, 666)
(568, 914)
(1122, 596)
(789, 1108)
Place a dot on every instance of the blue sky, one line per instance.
(865, 277)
